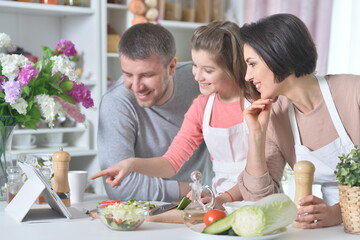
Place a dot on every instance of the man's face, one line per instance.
(149, 80)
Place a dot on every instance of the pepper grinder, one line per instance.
(304, 177)
(61, 161)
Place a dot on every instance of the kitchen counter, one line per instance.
(94, 229)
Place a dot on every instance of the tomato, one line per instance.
(213, 215)
(109, 202)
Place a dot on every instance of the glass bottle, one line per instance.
(217, 10)
(195, 211)
(202, 13)
(173, 10)
(15, 182)
(188, 10)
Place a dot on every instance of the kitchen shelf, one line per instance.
(73, 151)
(112, 6)
(50, 130)
(32, 25)
(43, 9)
(180, 25)
(112, 55)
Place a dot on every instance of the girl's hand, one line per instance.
(257, 115)
(219, 200)
(115, 173)
(206, 198)
(317, 213)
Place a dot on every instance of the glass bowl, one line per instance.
(122, 216)
(233, 206)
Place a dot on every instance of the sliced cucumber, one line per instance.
(183, 203)
(220, 226)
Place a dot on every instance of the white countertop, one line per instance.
(94, 229)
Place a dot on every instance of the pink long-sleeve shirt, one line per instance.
(190, 135)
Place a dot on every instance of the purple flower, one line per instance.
(12, 90)
(82, 94)
(26, 74)
(65, 47)
(2, 78)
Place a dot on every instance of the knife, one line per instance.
(162, 209)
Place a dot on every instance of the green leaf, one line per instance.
(66, 85)
(348, 168)
(47, 52)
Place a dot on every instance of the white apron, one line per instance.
(326, 158)
(228, 148)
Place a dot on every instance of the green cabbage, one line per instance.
(267, 215)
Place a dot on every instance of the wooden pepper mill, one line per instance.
(61, 161)
(304, 178)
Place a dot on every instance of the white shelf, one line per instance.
(112, 6)
(112, 55)
(89, 83)
(73, 151)
(43, 9)
(50, 130)
(180, 25)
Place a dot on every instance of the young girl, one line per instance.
(216, 116)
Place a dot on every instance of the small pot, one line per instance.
(350, 208)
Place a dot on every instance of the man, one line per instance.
(142, 113)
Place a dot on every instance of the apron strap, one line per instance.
(325, 90)
(293, 124)
(208, 108)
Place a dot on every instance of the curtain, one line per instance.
(344, 54)
(316, 14)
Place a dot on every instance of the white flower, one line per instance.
(5, 40)
(63, 64)
(48, 107)
(20, 105)
(12, 63)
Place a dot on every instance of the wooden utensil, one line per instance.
(304, 177)
(171, 216)
(61, 161)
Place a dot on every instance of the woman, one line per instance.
(300, 116)
(215, 116)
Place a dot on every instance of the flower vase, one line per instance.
(6, 134)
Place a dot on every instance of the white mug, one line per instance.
(24, 140)
(77, 184)
(53, 138)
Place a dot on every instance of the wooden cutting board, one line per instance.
(171, 216)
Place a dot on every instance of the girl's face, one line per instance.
(209, 75)
(259, 73)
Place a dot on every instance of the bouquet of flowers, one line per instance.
(31, 92)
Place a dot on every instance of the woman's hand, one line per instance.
(257, 118)
(115, 173)
(257, 114)
(317, 213)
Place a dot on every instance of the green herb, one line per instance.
(139, 202)
(348, 169)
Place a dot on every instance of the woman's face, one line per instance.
(208, 74)
(259, 73)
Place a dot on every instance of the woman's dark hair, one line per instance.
(221, 39)
(284, 43)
